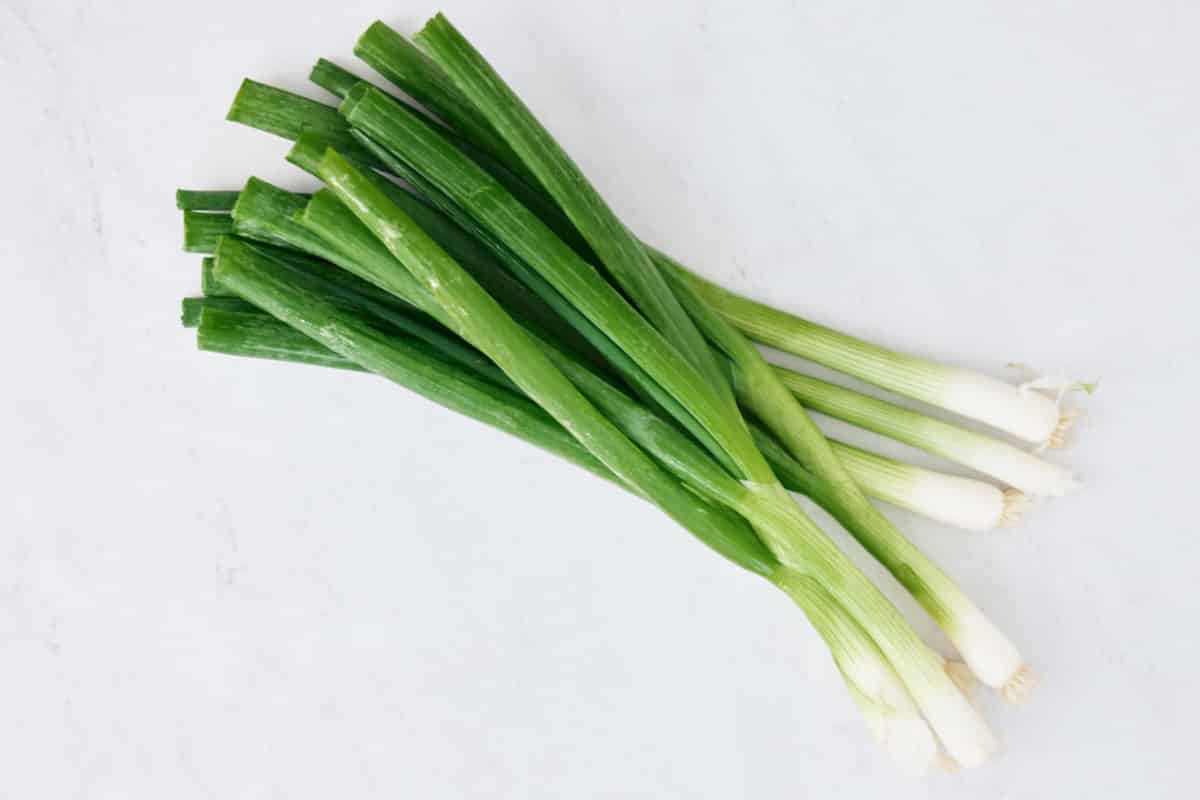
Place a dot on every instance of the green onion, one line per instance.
(1023, 411)
(961, 502)
(1000, 460)
(499, 283)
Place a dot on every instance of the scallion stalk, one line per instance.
(499, 283)
(961, 502)
(1023, 411)
(1010, 465)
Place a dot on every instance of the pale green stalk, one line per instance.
(1002, 461)
(961, 502)
(1023, 411)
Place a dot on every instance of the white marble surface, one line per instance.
(241, 580)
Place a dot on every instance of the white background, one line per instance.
(233, 579)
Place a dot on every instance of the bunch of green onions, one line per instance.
(457, 250)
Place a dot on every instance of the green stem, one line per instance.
(1029, 415)
(988, 455)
